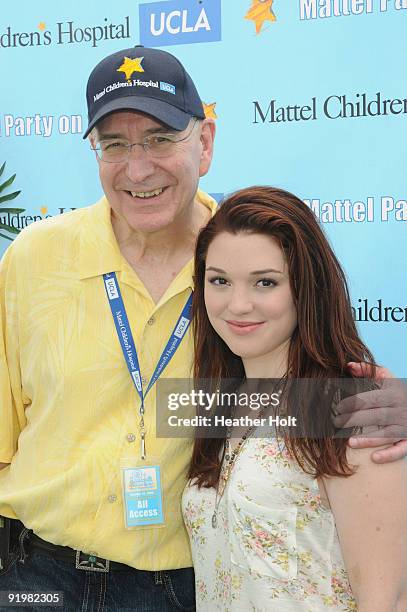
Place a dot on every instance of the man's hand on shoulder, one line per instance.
(382, 411)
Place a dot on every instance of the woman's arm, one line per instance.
(370, 510)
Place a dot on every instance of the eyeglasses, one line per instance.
(117, 150)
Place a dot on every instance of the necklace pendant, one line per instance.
(214, 520)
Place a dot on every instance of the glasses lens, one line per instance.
(113, 150)
(164, 145)
(161, 145)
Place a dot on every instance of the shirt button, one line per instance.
(151, 321)
(130, 437)
(144, 380)
(112, 498)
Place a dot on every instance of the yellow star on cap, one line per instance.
(131, 65)
(260, 12)
(43, 210)
(209, 110)
(41, 26)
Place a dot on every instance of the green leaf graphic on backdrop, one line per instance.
(6, 198)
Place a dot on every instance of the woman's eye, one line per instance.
(218, 280)
(266, 282)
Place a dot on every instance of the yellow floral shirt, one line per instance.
(69, 412)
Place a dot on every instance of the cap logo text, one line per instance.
(167, 87)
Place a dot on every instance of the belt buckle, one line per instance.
(91, 563)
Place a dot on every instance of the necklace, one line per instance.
(226, 469)
(229, 460)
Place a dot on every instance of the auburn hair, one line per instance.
(325, 338)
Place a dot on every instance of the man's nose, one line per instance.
(139, 164)
(240, 302)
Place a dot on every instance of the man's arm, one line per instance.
(370, 509)
(384, 409)
(12, 408)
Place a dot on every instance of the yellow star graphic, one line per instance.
(44, 210)
(42, 26)
(209, 110)
(131, 65)
(260, 12)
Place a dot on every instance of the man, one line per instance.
(70, 413)
(77, 441)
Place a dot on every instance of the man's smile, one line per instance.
(152, 194)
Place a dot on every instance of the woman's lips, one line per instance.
(242, 328)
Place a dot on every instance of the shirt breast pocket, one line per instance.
(263, 539)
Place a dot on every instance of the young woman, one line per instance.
(285, 524)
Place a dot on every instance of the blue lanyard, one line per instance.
(129, 348)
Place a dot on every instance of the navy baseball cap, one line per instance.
(150, 81)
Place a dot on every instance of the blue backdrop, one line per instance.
(308, 95)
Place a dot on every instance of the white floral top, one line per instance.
(275, 547)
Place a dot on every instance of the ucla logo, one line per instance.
(167, 87)
(176, 22)
(181, 327)
(111, 289)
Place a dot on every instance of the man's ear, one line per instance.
(93, 140)
(208, 130)
(93, 137)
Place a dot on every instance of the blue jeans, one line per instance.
(88, 591)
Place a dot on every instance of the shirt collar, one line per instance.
(184, 279)
(99, 251)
